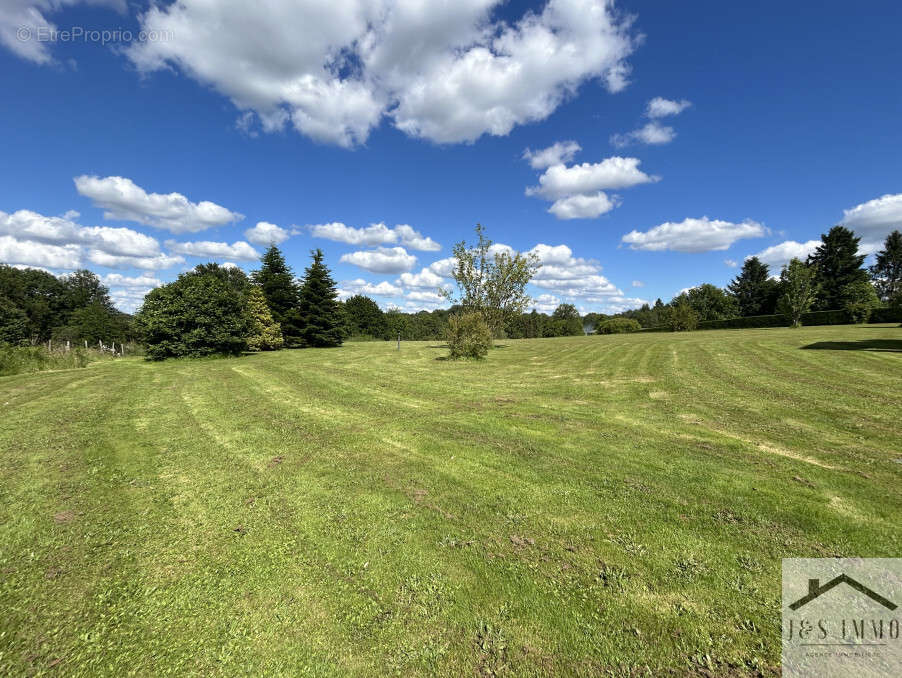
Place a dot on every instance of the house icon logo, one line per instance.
(815, 590)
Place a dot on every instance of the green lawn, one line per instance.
(612, 505)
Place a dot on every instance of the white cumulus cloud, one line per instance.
(582, 206)
(875, 219)
(693, 235)
(381, 260)
(214, 250)
(777, 256)
(375, 234)
(124, 200)
(556, 154)
(265, 233)
(449, 71)
(659, 107)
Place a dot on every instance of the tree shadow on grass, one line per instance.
(880, 345)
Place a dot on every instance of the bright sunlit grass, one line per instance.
(580, 506)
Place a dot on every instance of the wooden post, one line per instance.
(399, 341)
(67, 345)
(86, 344)
(50, 345)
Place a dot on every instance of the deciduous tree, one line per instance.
(798, 290)
(491, 281)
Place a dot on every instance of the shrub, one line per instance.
(203, 312)
(681, 317)
(859, 298)
(469, 336)
(618, 326)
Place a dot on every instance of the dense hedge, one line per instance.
(878, 315)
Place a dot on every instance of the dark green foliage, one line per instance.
(203, 312)
(95, 322)
(838, 264)
(887, 271)
(322, 321)
(709, 302)
(364, 318)
(75, 307)
(282, 293)
(13, 323)
(755, 293)
(263, 333)
(565, 322)
(469, 336)
(680, 316)
(859, 299)
(618, 326)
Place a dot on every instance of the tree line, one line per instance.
(37, 307)
(832, 278)
(217, 310)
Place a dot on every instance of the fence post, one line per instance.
(50, 345)
(86, 344)
(67, 345)
(399, 341)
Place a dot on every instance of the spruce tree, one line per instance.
(838, 264)
(754, 291)
(321, 317)
(276, 281)
(264, 334)
(887, 272)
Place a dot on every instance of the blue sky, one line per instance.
(689, 136)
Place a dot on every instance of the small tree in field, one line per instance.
(322, 320)
(681, 317)
(798, 290)
(859, 298)
(469, 336)
(264, 334)
(491, 283)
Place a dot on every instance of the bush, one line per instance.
(469, 336)
(618, 326)
(859, 298)
(203, 312)
(682, 318)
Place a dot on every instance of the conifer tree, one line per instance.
(754, 291)
(887, 272)
(321, 317)
(264, 334)
(276, 281)
(838, 264)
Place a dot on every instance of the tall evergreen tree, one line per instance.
(887, 272)
(838, 264)
(276, 280)
(321, 316)
(754, 291)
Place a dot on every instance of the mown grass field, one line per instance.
(612, 505)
